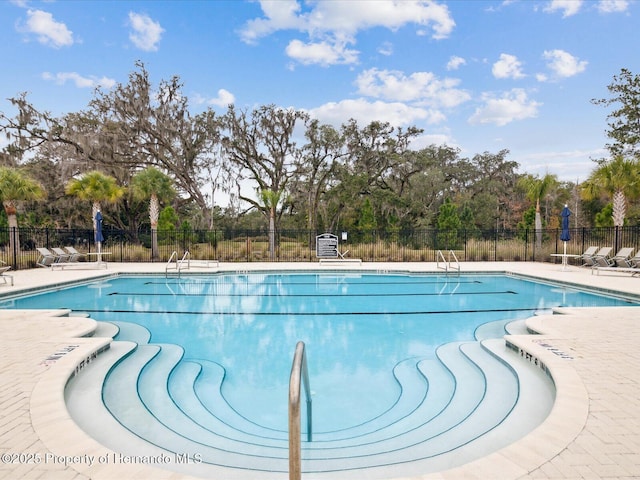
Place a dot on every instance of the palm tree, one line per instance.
(616, 179)
(96, 187)
(154, 185)
(537, 188)
(16, 187)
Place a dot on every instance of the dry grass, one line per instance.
(257, 249)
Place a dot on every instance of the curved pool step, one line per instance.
(123, 399)
(366, 445)
(457, 406)
(204, 428)
(518, 327)
(440, 378)
(132, 332)
(83, 397)
(536, 393)
(472, 411)
(106, 329)
(182, 392)
(494, 329)
(414, 389)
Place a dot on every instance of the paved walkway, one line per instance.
(593, 431)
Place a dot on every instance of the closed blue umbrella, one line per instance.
(98, 233)
(565, 236)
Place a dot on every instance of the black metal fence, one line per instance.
(18, 248)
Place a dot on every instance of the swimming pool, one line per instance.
(393, 359)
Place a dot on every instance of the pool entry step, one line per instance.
(473, 398)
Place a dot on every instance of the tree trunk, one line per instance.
(154, 213)
(272, 234)
(538, 225)
(12, 217)
(619, 209)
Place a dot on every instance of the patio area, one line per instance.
(591, 353)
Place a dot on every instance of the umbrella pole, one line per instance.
(564, 257)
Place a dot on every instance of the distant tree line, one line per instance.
(166, 163)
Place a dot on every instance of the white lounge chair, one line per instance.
(61, 255)
(628, 265)
(621, 259)
(602, 257)
(587, 256)
(75, 254)
(46, 258)
(4, 268)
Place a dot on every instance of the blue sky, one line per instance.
(477, 75)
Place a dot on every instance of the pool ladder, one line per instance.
(451, 263)
(299, 374)
(183, 264)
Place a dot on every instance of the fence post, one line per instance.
(465, 244)
(14, 237)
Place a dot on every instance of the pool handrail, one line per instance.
(179, 265)
(447, 264)
(299, 374)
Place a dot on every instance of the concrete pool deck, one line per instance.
(592, 354)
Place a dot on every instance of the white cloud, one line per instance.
(455, 62)
(351, 17)
(424, 141)
(420, 87)
(365, 112)
(330, 25)
(386, 49)
(612, 6)
(49, 31)
(570, 165)
(282, 15)
(563, 64)
(321, 53)
(507, 67)
(145, 32)
(61, 78)
(510, 106)
(224, 98)
(568, 7)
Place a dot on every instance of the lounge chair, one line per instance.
(628, 265)
(602, 257)
(587, 256)
(4, 268)
(46, 258)
(621, 259)
(61, 255)
(75, 254)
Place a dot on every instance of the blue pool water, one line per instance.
(357, 329)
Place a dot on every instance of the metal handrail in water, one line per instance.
(169, 265)
(457, 263)
(179, 264)
(447, 264)
(439, 256)
(187, 257)
(299, 374)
